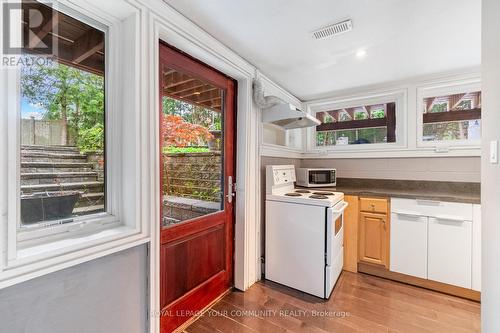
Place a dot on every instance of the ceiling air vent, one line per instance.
(333, 30)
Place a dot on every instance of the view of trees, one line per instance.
(187, 126)
(192, 114)
(73, 96)
(179, 133)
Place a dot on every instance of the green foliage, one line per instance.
(360, 115)
(373, 135)
(92, 139)
(351, 134)
(380, 113)
(172, 149)
(328, 119)
(71, 95)
(191, 113)
(208, 195)
(439, 107)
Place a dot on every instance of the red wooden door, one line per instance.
(197, 117)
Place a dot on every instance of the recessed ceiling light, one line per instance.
(361, 53)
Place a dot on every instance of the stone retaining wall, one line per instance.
(193, 175)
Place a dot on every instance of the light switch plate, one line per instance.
(494, 152)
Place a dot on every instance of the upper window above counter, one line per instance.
(359, 123)
(449, 116)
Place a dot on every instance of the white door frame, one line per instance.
(169, 26)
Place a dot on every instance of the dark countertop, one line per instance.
(425, 190)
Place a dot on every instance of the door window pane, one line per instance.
(192, 147)
(62, 118)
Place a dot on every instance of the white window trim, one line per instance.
(448, 88)
(397, 96)
(286, 150)
(28, 254)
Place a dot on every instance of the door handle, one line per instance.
(230, 193)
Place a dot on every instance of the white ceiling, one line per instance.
(402, 38)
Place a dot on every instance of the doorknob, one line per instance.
(230, 194)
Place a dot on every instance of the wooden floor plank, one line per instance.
(359, 303)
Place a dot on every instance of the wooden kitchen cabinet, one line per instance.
(373, 205)
(374, 232)
(351, 215)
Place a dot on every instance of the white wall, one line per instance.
(490, 174)
(101, 296)
(453, 169)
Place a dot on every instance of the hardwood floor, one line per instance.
(359, 303)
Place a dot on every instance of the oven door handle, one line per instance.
(341, 210)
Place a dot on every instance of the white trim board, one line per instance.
(30, 256)
(169, 26)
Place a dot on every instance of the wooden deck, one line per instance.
(359, 303)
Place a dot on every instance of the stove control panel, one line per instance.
(283, 174)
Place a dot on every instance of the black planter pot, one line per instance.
(46, 206)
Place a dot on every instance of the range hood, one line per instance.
(278, 112)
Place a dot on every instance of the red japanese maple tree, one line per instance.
(178, 133)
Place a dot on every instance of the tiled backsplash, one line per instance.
(455, 169)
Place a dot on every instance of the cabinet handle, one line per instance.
(409, 214)
(449, 218)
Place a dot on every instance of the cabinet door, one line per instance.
(409, 244)
(351, 234)
(374, 239)
(450, 251)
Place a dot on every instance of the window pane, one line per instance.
(62, 119)
(357, 125)
(345, 137)
(372, 135)
(456, 130)
(452, 117)
(192, 129)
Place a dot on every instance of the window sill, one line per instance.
(37, 260)
(393, 153)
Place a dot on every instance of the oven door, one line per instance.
(322, 177)
(334, 245)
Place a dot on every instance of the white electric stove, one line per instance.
(304, 233)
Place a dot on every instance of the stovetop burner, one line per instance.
(293, 194)
(302, 191)
(324, 193)
(317, 196)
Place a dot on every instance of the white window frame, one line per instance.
(342, 102)
(447, 88)
(294, 139)
(34, 251)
